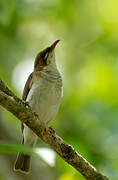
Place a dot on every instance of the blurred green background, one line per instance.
(87, 57)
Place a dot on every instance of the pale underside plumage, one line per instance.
(44, 98)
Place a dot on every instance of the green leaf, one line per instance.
(8, 148)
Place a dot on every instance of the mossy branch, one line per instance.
(23, 112)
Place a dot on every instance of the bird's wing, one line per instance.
(27, 87)
(26, 91)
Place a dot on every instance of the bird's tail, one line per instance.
(22, 163)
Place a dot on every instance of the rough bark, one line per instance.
(23, 112)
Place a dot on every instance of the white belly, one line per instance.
(44, 99)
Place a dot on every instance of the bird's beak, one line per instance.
(52, 47)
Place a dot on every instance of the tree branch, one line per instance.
(23, 112)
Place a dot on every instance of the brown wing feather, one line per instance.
(27, 87)
(26, 91)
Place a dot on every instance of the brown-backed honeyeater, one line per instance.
(43, 91)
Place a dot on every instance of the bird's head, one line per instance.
(45, 58)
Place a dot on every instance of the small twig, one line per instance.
(23, 112)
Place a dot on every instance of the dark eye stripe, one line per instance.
(44, 53)
(41, 58)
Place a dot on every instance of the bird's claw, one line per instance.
(36, 114)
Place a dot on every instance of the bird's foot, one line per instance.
(51, 130)
(36, 114)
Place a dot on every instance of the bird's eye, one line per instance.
(44, 56)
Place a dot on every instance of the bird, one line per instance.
(43, 91)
